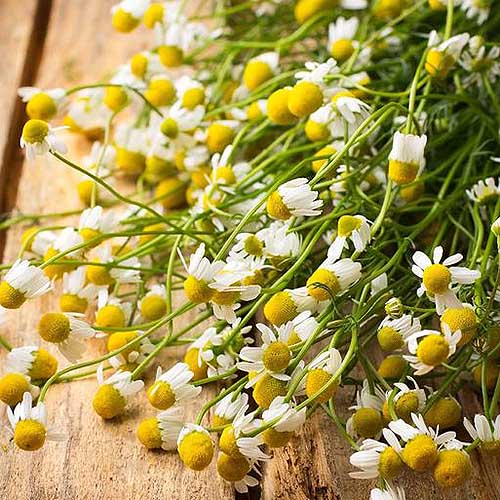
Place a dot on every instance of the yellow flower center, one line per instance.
(153, 307)
(191, 359)
(253, 246)
(452, 469)
(10, 298)
(316, 380)
(225, 298)
(305, 98)
(367, 422)
(463, 319)
(280, 308)
(98, 275)
(171, 56)
(438, 64)
(41, 106)
(390, 464)
(266, 389)
(227, 442)
(29, 435)
(437, 5)
(89, 234)
(12, 388)
(316, 132)
(196, 450)
(276, 208)
(161, 92)
(110, 316)
(197, 291)
(119, 339)
(218, 137)
(277, 107)
(347, 225)
(108, 401)
(323, 284)
(54, 327)
(232, 469)
(389, 339)
(72, 303)
(171, 192)
(130, 162)
(44, 365)
(161, 395)
(326, 151)
(388, 9)
(276, 439)
(124, 22)
(219, 421)
(153, 15)
(342, 49)
(84, 189)
(392, 367)
(407, 404)
(445, 412)
(149, 433)
(420, 453)
(256, 73)
(402, 172)
(254, 112)
(35, 131)
(58, 268)
(169, 128)
(433, 350)
(305, 9)
(225, 174)
(139, 65)
(437, 278)
(115, 98)
(193, 97)
(276, 357)
(146, 238)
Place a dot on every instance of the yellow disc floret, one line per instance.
(342, 49)
(323, 284)
(197, 291)
(317, 379)
(35, 131)
(276, 357)
(161, 395)
(218, 137)
(29, 435)
(256, 73)
(228, 444)
(347, 224)
(463, 319)
(110, 316)
(276, 208)
(316, 132)
(171, 56)
(305, 9)
(117, 340)
(171, 193)
(276, 439)
(108, 402)
(154, 14)
(69, 302)
(10, 298)
(115, 98)
(437, 278)
(130, 162)
(280, 308)
(452, 469)
(304, 98)
(438, 64)
(191, 358)
(386, 10)
(139, 65)
(389, 339)
(402, 172)
(153, 307)
(44, 365)
(161, 92)
(196, 450)
(367, 422)
(193, 97)
(149, 433)
(392, 367)
(390, 464)
(12, 388)
(98, 275)
(41, 106)
(277, 107)
(123, 21)
(433, 350)
(420, 453)
(232, 469)
(266, 389)
(54, 327)
(445, 413)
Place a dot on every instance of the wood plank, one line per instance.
(100, 459)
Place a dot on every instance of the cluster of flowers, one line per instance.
(300, 190)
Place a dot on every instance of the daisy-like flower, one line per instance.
(272, 357)
(295, 198)
(480, 63)
(223, 172)
(161, 431)
(111, 397)
(131, 148)
(320, 373)
(172, 387)
(29, 425)
(95, 222)
(17, 381)
(178, 123)
(366, 422)
(201, 273)
(422, 443)
(479, 9)
(100, 275)
(38, 138)
(392, 334)
(341, 35)
(285, 421)
(190, 92)
(388, 493)
(484, 190)
(377, 459)
(333, 277)
(31, 361)
(67, 331)
(260, 69)
(21, 282)
(128, 14)
(407, 401)
(69, 242)
(316, 72)
(437, 277)
(406, 159)
(488, 432)
(349, 109)
(153, 305)
(353, 227)
(443, 55)
(195, 447)
(42, 104)
(228, 407)
(434, 348)
(279, 241)
(132, 356)
(111, 311)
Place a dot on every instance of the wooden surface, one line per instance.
(61, 43)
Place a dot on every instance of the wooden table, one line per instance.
(61, 43)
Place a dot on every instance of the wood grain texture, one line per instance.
(102, 460)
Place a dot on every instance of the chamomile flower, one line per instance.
(39, 242)
(191, 93)
(285, 421)
(94, 222)
(29, 425)
(294, 198)
(341, 35)
(406, 159)
(320, 374)
(488, 432)
(422, 443)
(350, 110)
(388, 493)
(479, 9)
(332, 278)
(393, 333)
(128, 14)
(179, 122)
(316, 72)
(260, 69)
(438, 277)
(434, 348)
(353, 227)
(100, 274)
(366, 422)
(42, 104)
(195, 447)
(67, 331)
(484, 190)
(279, 242)
(408, 400)
(201, 273)
(22, 282)
(442, 56)
(132, 356)
(39, 138)
(111, 397)
(220, 134)
(172, 387)
(130, 150)
(228, 407)
(153, 305)
(111, 311)
(31, 361)
(224, 172)
(161, 431)
(17, 381)
(377, 459)
(70, 243)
